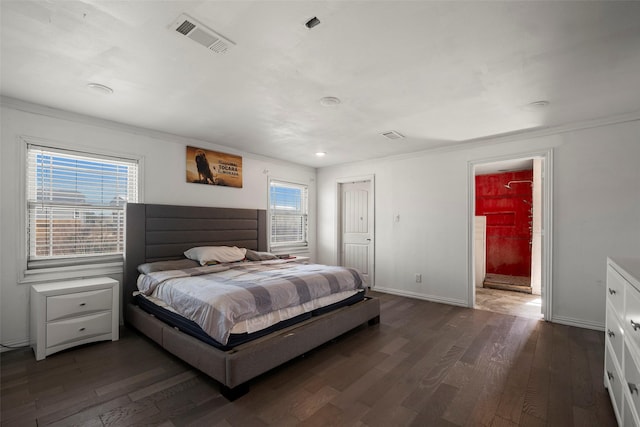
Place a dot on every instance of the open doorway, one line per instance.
(504, 203)
(510, 255)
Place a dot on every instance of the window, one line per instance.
(288, 207)
(75, 206)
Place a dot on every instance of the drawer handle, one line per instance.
(612, 291)
(81, 329)
(82, 304)
(610, 376)
(635, 325)
(633, 388)
(611, 333)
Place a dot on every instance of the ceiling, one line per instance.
(439, 73)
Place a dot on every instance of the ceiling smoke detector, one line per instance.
(201, 34)
(329, 101)
(392, 134)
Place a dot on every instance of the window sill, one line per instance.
(302, 251)
(40, 275)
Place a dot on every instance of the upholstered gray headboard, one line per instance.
(162, 232)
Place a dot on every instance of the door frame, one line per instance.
(546, 278)
(338, 218)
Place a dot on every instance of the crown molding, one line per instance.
(539, 132)
(43, 110)
(504, 138)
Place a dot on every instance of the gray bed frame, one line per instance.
(163, 232)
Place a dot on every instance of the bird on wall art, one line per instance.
(205, 173)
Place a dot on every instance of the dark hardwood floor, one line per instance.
(425, 364)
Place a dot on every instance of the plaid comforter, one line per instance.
(218, 297)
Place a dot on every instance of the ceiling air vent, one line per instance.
(200, 33)
(392, 134)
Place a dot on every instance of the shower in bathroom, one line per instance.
(506, 201)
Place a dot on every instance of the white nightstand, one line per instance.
(68, 313)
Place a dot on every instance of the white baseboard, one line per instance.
(431, 298)
(570, 321)
(563, 320)
(14, 343)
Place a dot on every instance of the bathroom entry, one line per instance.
(502, 188)
(505, 200)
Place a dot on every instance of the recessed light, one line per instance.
(100, 88)
(321, 154)
(330, 101)
(538, 104)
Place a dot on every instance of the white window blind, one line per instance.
(288, 207)
(75, 206)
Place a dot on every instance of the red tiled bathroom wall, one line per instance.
(508, 221)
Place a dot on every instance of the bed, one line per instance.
(164, 232)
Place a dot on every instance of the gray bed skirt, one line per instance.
(233, 368)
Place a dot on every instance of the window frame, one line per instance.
(70, 266)
(301, 246)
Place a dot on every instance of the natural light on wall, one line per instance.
(75, 206)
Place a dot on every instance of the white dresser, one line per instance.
(622, 347)
(68, 313)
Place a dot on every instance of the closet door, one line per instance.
(357, 227)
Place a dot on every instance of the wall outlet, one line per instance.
(418, 278)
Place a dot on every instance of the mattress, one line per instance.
(235, 303)
(172, 318)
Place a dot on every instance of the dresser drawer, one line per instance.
(63, 306)
(632, 314)
(615, 334)
(615, 289)
(629, 414)
(78, 328)
(613, 381)
(632, 377)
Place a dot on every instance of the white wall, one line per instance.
(163, 181)
(596, 205)
(596, 213)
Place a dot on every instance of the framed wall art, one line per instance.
(213, 168)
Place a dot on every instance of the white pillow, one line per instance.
(207, 254)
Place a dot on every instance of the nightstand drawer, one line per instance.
(62, 306)
(78, 328)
